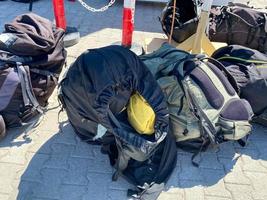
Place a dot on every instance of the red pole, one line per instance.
(128, 22)
(59, 13)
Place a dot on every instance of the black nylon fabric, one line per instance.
(239, 24)
(157, 168)
(13, 109)
(185, 22)
(98, 79)
(34, 42)
(34, 35)
(40, 44)
(250, 75)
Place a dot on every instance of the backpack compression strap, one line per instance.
(27, 93)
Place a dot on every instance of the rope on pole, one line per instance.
(173, 18)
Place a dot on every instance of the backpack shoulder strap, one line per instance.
(228, 75)
(27, 92)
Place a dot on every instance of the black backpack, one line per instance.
(104, 80)
(239, 24)
(249, 68)
(31, 58)
(186, 19)
(147, 171)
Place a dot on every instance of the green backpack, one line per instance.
(204, 107)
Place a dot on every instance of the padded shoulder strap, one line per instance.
(207, 125)
(228, 75)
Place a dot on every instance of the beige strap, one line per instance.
(173, 18)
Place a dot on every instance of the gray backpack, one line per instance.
(204, 107)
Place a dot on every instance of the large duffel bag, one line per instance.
(41, 45)
(204, 107)
(241, 25)
(18, 103)
(95, 91)
(186, 19)
(30, 45)
(249, 68)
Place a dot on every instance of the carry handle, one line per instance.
(240, 18)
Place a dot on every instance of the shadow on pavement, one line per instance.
(64, 167)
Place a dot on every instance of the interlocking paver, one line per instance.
(193, 191)
(48, 164)
(213, 179)
(8, 173)
(70, 192)
(51, 182)
(31, 171)
(77, 171)
(259, 183)
(234, 172)
(240, 192)
(173, 194)
(97, 186)
(4, 196)
(216, 198)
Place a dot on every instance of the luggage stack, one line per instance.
(31, 58)
(140, 109)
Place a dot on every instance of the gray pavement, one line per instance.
(49, 164)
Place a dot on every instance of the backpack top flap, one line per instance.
(162, 61)
(32, 35)
(209, 94)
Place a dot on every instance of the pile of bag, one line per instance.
(202, 98)
(249, 69)
(239, 24)
(105, 80)
(233, 24)
(31, 58)
(139, 108)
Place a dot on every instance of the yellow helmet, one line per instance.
(140, 115)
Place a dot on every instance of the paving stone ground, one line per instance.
(49, 164)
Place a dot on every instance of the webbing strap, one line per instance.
(205, 121)
(27, 93)
(23, 84)
(43, 72)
